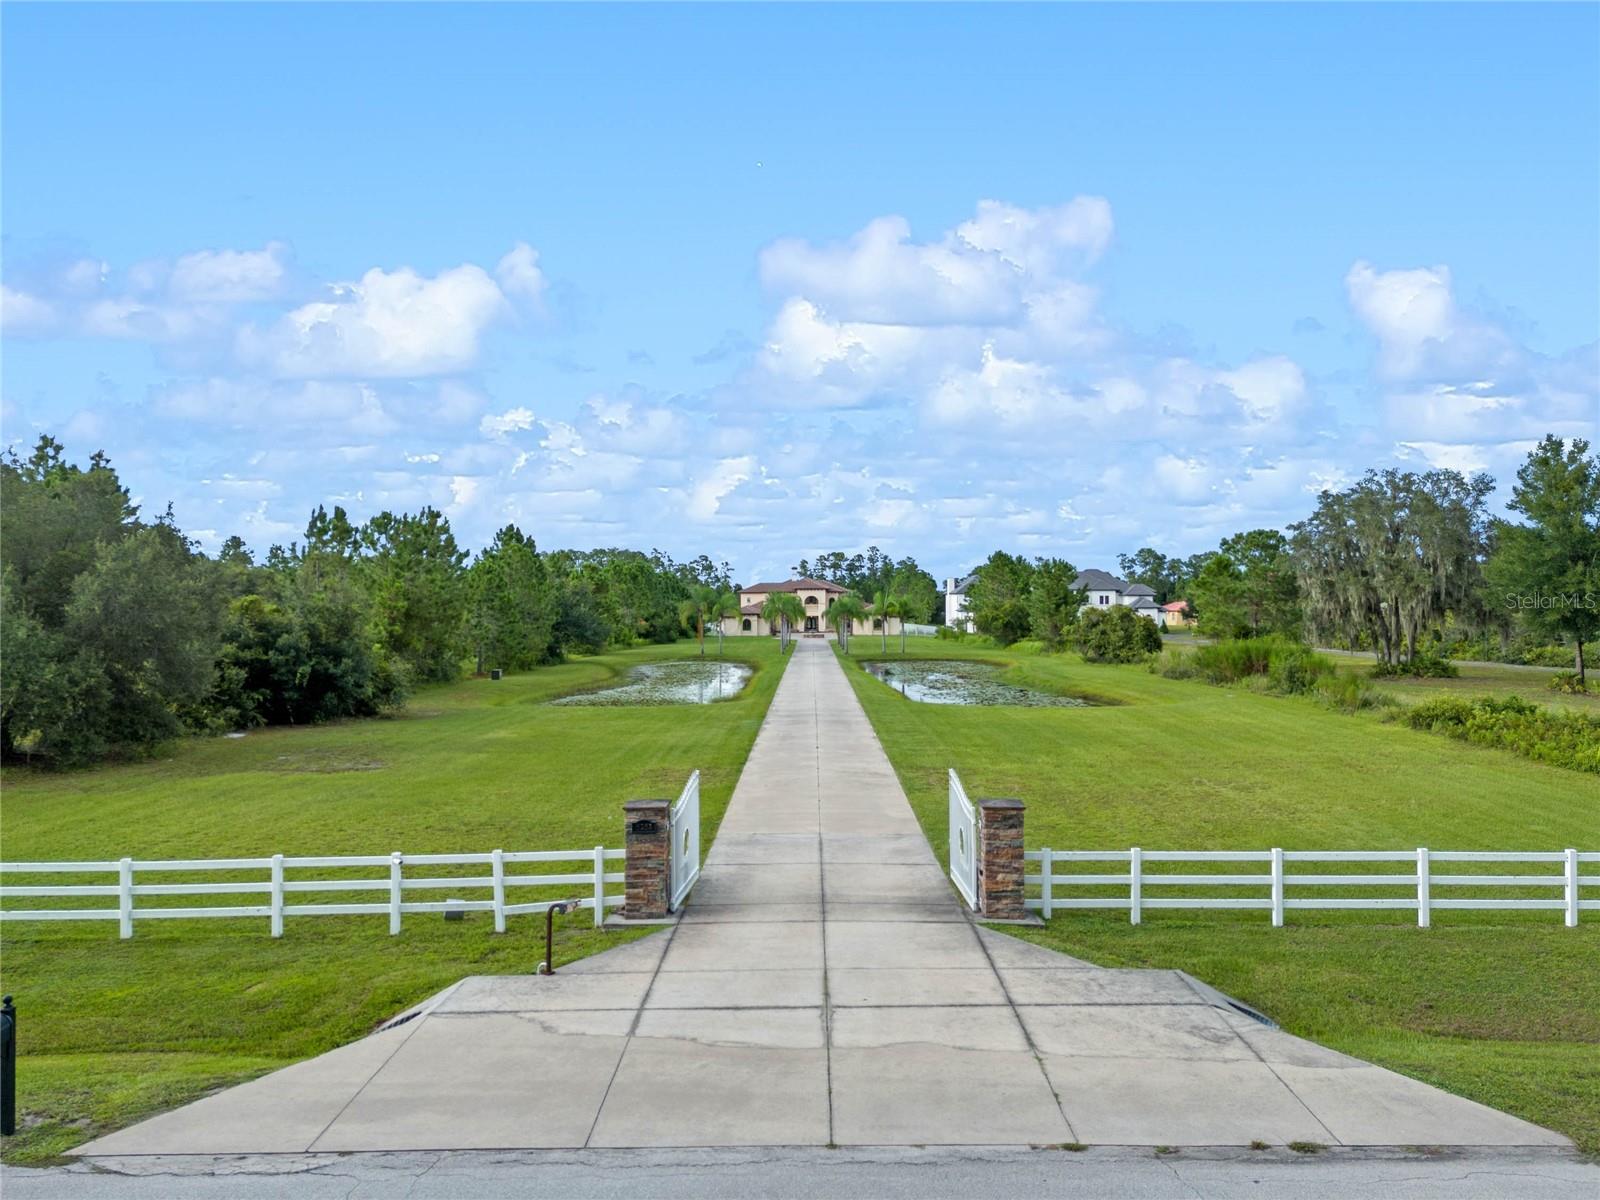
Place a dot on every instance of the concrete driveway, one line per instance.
(824, 988)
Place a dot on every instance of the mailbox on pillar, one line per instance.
(648, 867)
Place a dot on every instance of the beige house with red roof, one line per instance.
(816, 597)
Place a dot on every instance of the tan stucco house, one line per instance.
(816, 597)
(1176, 615)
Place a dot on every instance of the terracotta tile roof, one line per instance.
(795, 585)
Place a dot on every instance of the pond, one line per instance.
(686, 682)
(955, 682)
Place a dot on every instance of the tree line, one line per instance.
(1410, 565)
(117, 633)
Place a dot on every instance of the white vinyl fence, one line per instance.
(1558, 888)
(394, 876)
(963, 842)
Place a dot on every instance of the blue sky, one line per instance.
(764, 281)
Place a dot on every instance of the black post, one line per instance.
(548, 966)
(8, 1067)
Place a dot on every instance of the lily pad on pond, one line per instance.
(955, 682)
(691, 682)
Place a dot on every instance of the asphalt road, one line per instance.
(970, 1174)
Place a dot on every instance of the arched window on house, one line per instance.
(811, 600)
(745, 625)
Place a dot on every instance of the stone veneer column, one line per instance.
(648, 842)
(1000, 865)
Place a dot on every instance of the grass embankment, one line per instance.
(1501, 1007)
(113, 1030)
(1486, 679)
(1474, 679)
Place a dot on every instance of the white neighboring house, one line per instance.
(1102, 590)
(955, 604)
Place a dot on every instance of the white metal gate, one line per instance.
(685, 833)
(963, 842)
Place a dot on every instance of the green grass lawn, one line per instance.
(1475, 679)
(1501, 1007)
(112, 1030)
(1487, 679)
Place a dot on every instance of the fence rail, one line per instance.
(1418, 882)
(277, 887)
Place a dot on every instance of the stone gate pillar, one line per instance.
(1000, 865)
(648, 867)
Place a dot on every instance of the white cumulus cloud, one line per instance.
(228, 276)
(1010, 391)
(1185, 480)
(519, 273)
(839, 363)
(981, 272)
(23, 314)
(1040, 241)
(1272, 389)
(513, 420)
(1421, 332)
(388, 323)
(1458, 387)
(709, 490)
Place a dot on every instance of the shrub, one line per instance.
(1280, 664)
(1117, 635)
(1568, 682)
(947, 633)
(1297, 669)
(1524, 650)
(1423, 666)
(1548, 656)
(1448, 712)
(1561, 739)
(1175, 665)
(1351, 693)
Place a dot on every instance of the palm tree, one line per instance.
(882, 602)
(726, 605)
(842, 612)
(772, 614)
(782, 609)
(900, 606)
(793, 612)
(696, 609)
